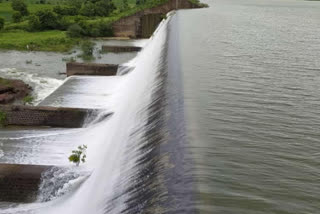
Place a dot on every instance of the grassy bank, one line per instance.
(45, 26)
(38, 41)
(6, 10)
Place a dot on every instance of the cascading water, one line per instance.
(129, 167)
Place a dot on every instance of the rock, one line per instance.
(13, 90)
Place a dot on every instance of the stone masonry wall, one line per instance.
(20, 183)
(43, 116)
(131, 26)
(116, 49)
(76, 68)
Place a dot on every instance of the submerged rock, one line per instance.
(12, 90)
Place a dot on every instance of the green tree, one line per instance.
(125, 5)
(48, 19)
(104, 8)
(88, 9)
(20, 5)
(1, 23)
(34, 23)
(139, 2)
(75, 31)
(16, 16)
(75, 3)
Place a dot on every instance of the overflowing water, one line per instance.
(128, 97)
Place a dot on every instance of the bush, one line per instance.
(65, 10)
(64, 23)
(104, 8)
(48, 19)
(79, 155)
(20, 5)
(87, 48)
(34, 23)
(97, 28)
(75, 31)
(97, 8)
(16, 17)
(1, 23)
(28, 99)
(88, 9)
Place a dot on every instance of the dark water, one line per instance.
(252, 94)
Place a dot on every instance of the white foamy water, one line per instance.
(42, 86)
(107, 140)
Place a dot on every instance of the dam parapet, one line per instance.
(77, 68)
(20, 183)
(19, 115)
(143, 23)
(119, 49)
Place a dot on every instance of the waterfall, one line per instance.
(135, 158)
(108, 141)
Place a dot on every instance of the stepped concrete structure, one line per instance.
(143, 23)
(20, 183)
(20, 115)
(118, 49)
(77, 68)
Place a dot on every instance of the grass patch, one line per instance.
(27, 100)
(38, 41)
(5, 82)
(6, 10)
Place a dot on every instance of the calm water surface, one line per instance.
(252, 95)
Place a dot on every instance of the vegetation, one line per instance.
(87, 48)
(78, 155)
(62, 22)
(3, 118)
(1, 23)
(75, 31)
(37, 41)
(17, 16)
(20, 6)
(27, 100)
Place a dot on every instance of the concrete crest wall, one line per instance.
(131, 26)
(43, 116)
(77, 68)
(20, 183)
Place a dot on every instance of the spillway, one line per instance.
(136, 159)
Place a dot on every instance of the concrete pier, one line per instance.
(118, 49)
(76, 68)
(43, 116)
(20, 183)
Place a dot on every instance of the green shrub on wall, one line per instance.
(3, 118)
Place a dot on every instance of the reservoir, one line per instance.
(251, 91)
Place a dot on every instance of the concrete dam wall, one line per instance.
(20, 183)
(43, 116)
(143, 23)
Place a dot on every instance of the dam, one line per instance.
(218, 113)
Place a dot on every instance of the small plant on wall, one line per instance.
(3, 118)
(27, 100)
(79, 155)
